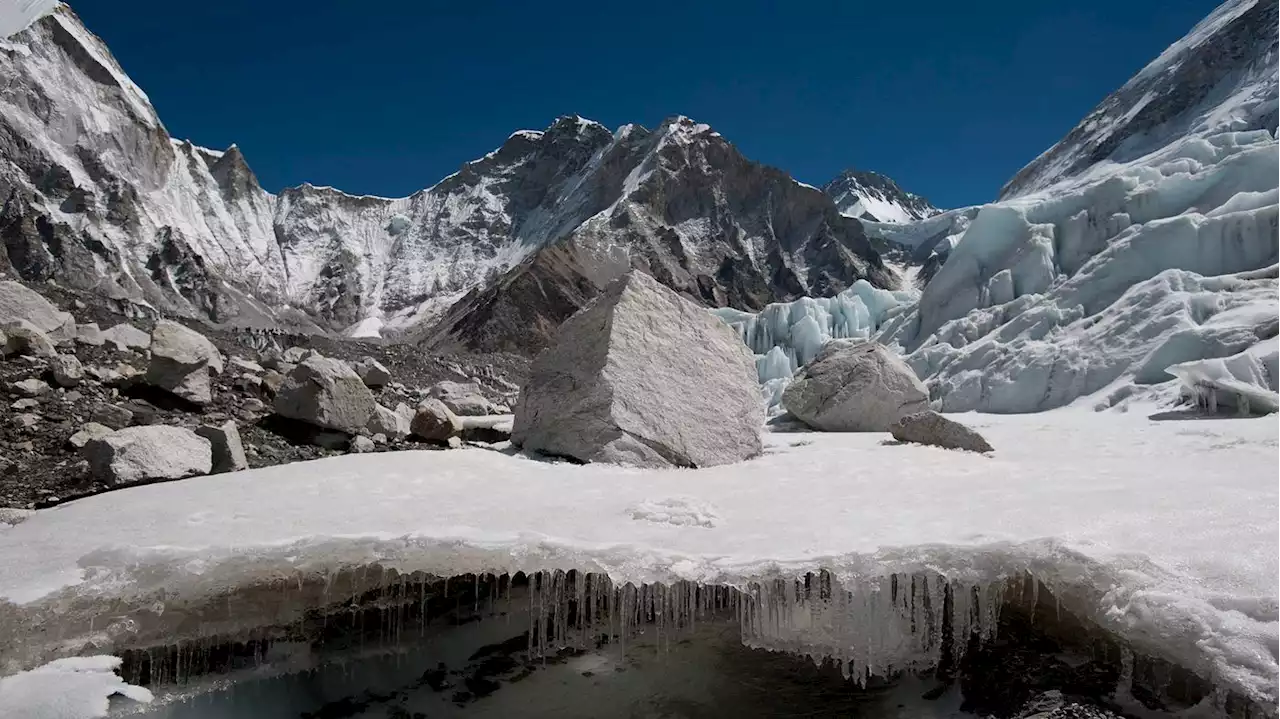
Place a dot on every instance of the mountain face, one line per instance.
(874, 197)
(96, 194)
(1219, 77)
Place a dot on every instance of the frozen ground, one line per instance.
(1161, 531)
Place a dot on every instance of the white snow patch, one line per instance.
(17, 15)
(368, 327)
(678, 511)
(71, 688)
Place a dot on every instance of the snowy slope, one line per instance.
(876, 198)
(1096, 284)
(1136, 539)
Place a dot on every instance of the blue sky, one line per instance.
(386, 98)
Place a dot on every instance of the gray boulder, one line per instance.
(113, 416)
(20, 337)
(141, 454)
(361, 444)
(181, 362)
(326, 393)
(934, 429)
(30, 388)
(464, 399)
(642, 376)
(434, 422)
(89, 334)
(125, 336)
(242, 365)
(18, 303)
(66, 370)
(293, 356)
(89, 432)
(854, 387)
(228, 450)
(372, 372)
(387, 422)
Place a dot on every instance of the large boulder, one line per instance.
(327, 393)
(125, 336)
(854, 387)
(373, 373)
(182, 361)
(142, 454)
(645, 377)
(66, 370)
(228, 450)
(435, 422)
(20, 337)
(18, 302)
(932, 428)
(462, 398)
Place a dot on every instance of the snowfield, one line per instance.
(1161, 531)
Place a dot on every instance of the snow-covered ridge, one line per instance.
(873, 197)
(17, 15)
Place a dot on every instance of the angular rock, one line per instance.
(66, 370)
(243, 365)
(23, 405)
(642, 376)
(224, 441)
(326, 393)
(26, 420)
(372, 372)
(20, 337)
(434, 422)
(181, 362)
(125, 336)
(89, 334)
(89, 432)
(113, 416)
(30, 388)
(361, 444)
(854, 387)
(934, 429)
(294, 355)
(387, 422)
(463, 398)
(19, 303)
(141, 454)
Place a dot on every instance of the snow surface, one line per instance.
(71, 688)
(1163, 531)
(17, 15)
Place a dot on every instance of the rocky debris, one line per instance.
(66, 370)
(361, 444)
(854, 387)
(20, 337)
(89, 432)
(29, 387)
(464, 399)
(374, 374)
(113, 416)
(1053, 705)
(228, 450)
(642, 376)
(181, 362)
(326, 393)
(934, 429)
(142, 454)
(387, 422)
(125, 336)
(19, 303)
(434, 422)
(89, 334)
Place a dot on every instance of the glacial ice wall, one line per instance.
(786, 335)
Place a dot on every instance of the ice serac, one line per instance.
(1147, 238)
(683, 205)
(642, 376)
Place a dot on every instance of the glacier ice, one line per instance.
(1244, 382)
(69, 688)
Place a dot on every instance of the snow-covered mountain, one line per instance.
(1145, 239)
(874, 197)
(98, 195)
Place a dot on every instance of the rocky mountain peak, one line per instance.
(876, 197)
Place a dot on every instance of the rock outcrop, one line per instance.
(934, 429)
(854, 387)
(327, 393)
(642, 376)
(142, 454)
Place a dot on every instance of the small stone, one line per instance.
(72, 397)
(379, 439)
(26, 420)
(361, 444)
(25, 404)
(228, 451)
(89, 432)
(30, 388)
(66, 370)
(454, 442)
(113, 416)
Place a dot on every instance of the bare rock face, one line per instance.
(141, 454)
(854, 387)
(228, 450)
(434, 422)
(181, 361)
(934, 429)
(642, 376)
(327, 393)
